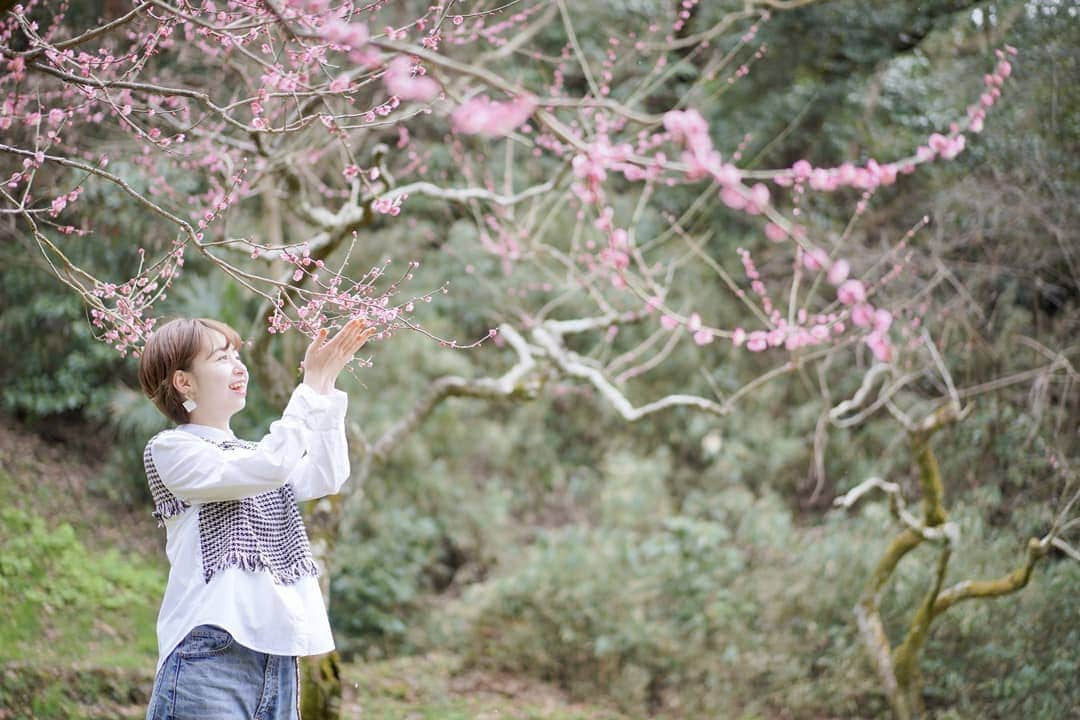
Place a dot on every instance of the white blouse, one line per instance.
(307, 449)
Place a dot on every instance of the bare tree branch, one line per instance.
(519, 382)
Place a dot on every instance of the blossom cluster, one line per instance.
(698, 159)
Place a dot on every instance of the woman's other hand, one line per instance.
(325, 359)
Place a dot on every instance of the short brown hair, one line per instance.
(172, 347)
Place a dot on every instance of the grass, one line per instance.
(435, 686)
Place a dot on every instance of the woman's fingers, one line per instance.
(346, 334)
(313, 348)
(365, 335)
(356, 341)
(357, 337)
(336, 352)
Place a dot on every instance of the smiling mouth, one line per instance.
(239, 387)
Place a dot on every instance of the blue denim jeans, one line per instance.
(209, 676)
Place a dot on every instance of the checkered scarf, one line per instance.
(262, 532)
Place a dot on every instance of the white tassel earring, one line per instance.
(190, 405)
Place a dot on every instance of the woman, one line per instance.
(243, 599)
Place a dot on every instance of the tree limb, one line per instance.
(518, 382)
(1004, 585)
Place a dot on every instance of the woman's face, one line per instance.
(218, 380)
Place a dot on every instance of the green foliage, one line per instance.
(50, 364)
(378, 582)
(728, 607)
(49, 579)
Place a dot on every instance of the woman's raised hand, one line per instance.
(325, 359)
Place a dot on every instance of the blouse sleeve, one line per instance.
(197, 471)
(325, 468)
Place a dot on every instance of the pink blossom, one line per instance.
(389, 206)
(851, 292)
(738, 337)
(352, 35)
(802, 169)
(693, 323)
(685, 124)
(815, 259)
(774, 232)
(955, 147)
(402, 78)
(17, 67)
(862, 315)
(482, 116)
(458, 20)
(728, 175)
(757, 341)
(879, 345)
(882, 320)
(845, 174)
(701, 164)
(603, 221)
(620, 239)
(759, 197)
(668, 322)
(839, 272)
(340, 83)
(733, 198)
(703, 337)
(616, 258)
(798, 338)
(56, 116)
(824, 180)
(367, 57)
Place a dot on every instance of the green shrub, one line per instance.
(729, 608)
(378, 582)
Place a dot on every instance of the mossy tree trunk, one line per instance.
(320, 687)
(898, 667)
(320, 675)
